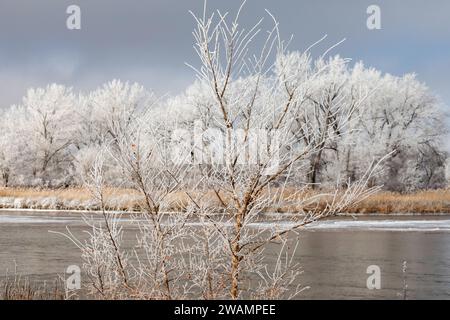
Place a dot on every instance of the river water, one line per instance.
(334, 254)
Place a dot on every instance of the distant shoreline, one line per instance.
(78, 200)
(77, 213)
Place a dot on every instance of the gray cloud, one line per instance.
(149, 41)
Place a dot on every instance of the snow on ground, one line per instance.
(429, 224)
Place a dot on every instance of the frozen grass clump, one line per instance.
(6, 202)
(73, 204)
(18, 203)
(48, 203)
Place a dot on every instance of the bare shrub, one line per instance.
(198, 253)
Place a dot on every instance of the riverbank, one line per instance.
(79, 199)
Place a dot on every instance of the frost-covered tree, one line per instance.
(324, 116)
(101, 114)
(8, 150)
(401, 117)
(40, 136)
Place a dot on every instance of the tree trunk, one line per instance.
(314, 169)
(235, 258)
(234, 291)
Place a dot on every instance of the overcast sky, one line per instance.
(149, 41)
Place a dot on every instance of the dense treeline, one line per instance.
(53, 136)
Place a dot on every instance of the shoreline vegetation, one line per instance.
(79, 199)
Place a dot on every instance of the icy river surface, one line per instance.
(334, 254)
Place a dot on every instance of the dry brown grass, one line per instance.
(67, 198)
(66, 194)
(427, 202)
